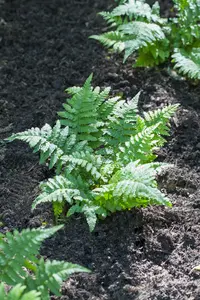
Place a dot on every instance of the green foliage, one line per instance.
(49, 275)
(81, 111)
(17, 293)
(57, 189)
(102, 150)
(52, 143)
(188, 63)
(140, 29)
(120, 1)
(20, 266)
(132, 186)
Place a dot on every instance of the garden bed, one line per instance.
(140, 254)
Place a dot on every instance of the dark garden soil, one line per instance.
(140, 254)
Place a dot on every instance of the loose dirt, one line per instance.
(140, 254)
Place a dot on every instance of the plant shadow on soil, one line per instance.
(139, 254)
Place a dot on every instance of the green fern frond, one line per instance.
(73, 90)
(137, 10)
(187, 63)
(107, 107)
(81, 111)
(145, 59)
(89, 161)
(160, 118)
(148, 135)
(121, 123)
(121, 1)
(110, 19)
(57, 209)
(139, 147)
(19, 265)
(188, 11)
(17, 293)
(50, 274)
(91, 211)
(52, 143)
(126, 109)
(102, 96)
(17, 248)
(153, 54)
(80, 114)
(112, 39)
(48, 141)
(58, 189)
(140, 35)
(132, 186)
(131, 37)
(160, 115)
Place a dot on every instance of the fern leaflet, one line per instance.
(188, 63)
(132, 186)
(20, 267)
(17, 293)
(17, 248)
(57, 189)
(49, 275)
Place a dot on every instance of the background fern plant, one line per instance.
(103, 153)
(32, 277)
(138, 28)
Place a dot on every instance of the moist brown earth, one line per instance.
(140, 254)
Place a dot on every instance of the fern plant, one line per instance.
(102, 150)
(32, 278)
(136, 27)
(17, 293)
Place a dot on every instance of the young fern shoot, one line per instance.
(103, 153)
